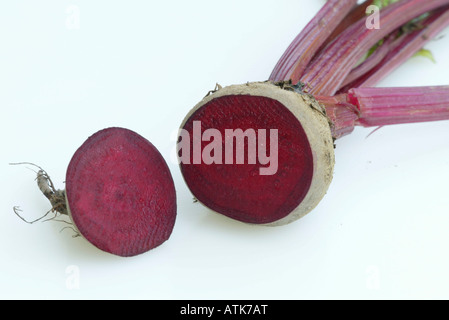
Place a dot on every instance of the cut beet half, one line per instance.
(120, 193)
(257, 153)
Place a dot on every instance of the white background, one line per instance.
(380, 232)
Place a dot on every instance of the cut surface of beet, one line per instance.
(120, 193)
(239, 191)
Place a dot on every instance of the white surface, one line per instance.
(381, 231)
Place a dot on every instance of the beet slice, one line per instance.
(305, 154)
(253, 198)
(120, 193)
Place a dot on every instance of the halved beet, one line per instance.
(305, 155)
(120, 193)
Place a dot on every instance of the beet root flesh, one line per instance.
(120, 193)
(305, 157)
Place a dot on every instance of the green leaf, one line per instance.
(378, 3)
(383, 3)
(426, 54)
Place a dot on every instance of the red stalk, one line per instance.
(327, 72)
(371, 62)
(387, 106)
(370, 107)
(403, 49)
(307, 43)
(341, 112)
(355, 15)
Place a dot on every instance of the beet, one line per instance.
(119, 193)
(305, 154)
(310, 101)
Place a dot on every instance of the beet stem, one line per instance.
(327, 72)
(386, 106)
(371, 107)
(309, 41)
(371, 62)
(355, 15)
(403, 49)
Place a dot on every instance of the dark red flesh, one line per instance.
(238, 190)
(121, 193)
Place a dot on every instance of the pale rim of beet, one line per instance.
(120, 193)
(293, 107)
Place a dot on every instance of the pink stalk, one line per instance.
(370, 107)
(387, 106)
(355, 15)
(326, 73)
(341, 112)
(402, 50)
(306, 44)
(371, 62)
